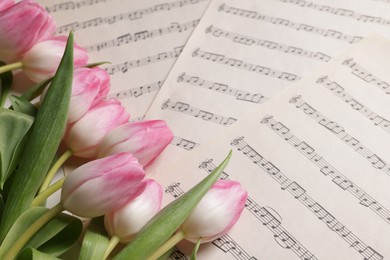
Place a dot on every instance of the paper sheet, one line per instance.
(315, 161)
(244, 52)
(141, 39)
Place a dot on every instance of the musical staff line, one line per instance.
(327, 169)
(248, 40)
(136, 92)
(267, 219)
(198, 113)
(339, 91)
(225, 243)
(137, 119)
(299, 193)
(183, 143)
(365, 75)
(339, 11)
(177, 255)
(163, 56)
(71, 5)
(341, 133)
(240, 64)
(222, 88)
(142, 35)
(290, 24)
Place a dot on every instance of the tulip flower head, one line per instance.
(145, 140)
(84, 136)
(126, 221)
(4, 4)
(42, 60)
(88, 88)
(22, 25)
(103, 185)
(216, 213)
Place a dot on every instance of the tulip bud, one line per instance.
(42, 60)
(126, 221)
(21, 26)
(103, 185)
(4, 4)
(84, 136)
(216, 213)
(89, 87)
(145, 140)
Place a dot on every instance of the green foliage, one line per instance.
(5, 84)
(46, 134)
(168, 220)
(22, 105)
(95, 241)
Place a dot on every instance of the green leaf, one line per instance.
(167, 221)
(13, 130)
(22, 105)
(33, 254)
(92, 65)
(95, 241)
(36, 90)
(46, 134)
(195, 251)
(5, 84)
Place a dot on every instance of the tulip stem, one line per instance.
(176, 238)
(12, 66)
(50, 175)
(31, 230)
(41, 197)
(111, 245)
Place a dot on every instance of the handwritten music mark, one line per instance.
(248, 40)
(222, 88)
(240, 64)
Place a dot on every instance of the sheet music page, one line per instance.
(140, 38)
(244, 52)
(315, 161)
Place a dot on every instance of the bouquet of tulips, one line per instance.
(68, 104)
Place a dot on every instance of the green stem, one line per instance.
(41, 197)
(111, 245)
(54, 169)
(30, 231)
(12, 66)
(176, 238)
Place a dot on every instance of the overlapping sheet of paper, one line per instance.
(244, 52)
(316, 163)
(140, 38)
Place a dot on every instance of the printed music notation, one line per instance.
(365, 75)
(290, 24)
(183, 143)
(137, 92)
(339, 11)
(339, 91)
(236, 63)
(301, 195)
(271, 221)
(327, 169)
(71, 5)
(222, 88)
(137, 119)
(225, 242)
(198, 113)
(342, 134)
(177, 255)
(134, 15)
(124, 67)
(142, 35)
(248, 40)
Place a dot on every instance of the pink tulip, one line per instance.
(126, 221)
(216, 213)
(145, 140)
(89, 87)
(103, 185)
(21, 26)
(84, 136)
(42, 60)
(4, 4)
